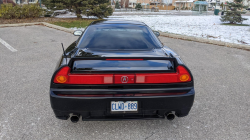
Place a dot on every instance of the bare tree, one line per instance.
(122, 3)
(126, 3)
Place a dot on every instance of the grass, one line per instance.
(79, 23)
(235, 24)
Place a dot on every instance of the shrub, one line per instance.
(8, 11)
(117, 5)
(97, 8)
(138, 6)
(48, 13)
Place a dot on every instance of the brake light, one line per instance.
(182, 75)
(64, 76)
(90, 79)
(153, 78)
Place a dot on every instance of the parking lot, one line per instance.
(221, 108)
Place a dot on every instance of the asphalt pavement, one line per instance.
(221, 108)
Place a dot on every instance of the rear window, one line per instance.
(119, 36)
(106, 65)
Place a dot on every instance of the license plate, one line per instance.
(124, 106)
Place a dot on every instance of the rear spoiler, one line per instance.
(173, 60)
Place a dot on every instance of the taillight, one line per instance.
(183, 74)
(61, 79)
(64, 76)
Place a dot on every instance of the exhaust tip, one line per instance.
(75, 118)
(170, 116)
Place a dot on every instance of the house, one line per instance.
(147, 4)
(211, 3)
(144, 3)
(7, 1)
(183, 4)
(246, 3)
(190, 3)
(25, 1)
(125, 3)
(132, 3)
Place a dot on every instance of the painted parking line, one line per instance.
(7, 45)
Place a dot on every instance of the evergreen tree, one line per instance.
(98, 8)
(1, 2)
(138, 6)
(117, 5)
(222, 5)
(234, 16)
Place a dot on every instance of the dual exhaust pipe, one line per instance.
(75, 117)
(170, 116)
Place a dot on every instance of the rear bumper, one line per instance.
(99, 108)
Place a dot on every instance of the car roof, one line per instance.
(129, 22)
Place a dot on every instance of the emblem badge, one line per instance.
(124, 79)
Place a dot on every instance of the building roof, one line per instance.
(185, 1)
(201, 3)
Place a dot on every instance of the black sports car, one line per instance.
(120, 70)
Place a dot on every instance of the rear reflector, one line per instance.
(156, 78)
(64, 76)
(121, 95)
(91, 79)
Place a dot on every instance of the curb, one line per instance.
(39, 23)
(20, 24)
(170, 35)
(208, 41)
(58, 27)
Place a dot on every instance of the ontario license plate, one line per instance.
(124, 106)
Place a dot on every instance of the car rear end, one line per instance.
(114, 88)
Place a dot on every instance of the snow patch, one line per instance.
(208, 27)
(75, 28)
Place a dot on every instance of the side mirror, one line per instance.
(77, 33)
(156, 33)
